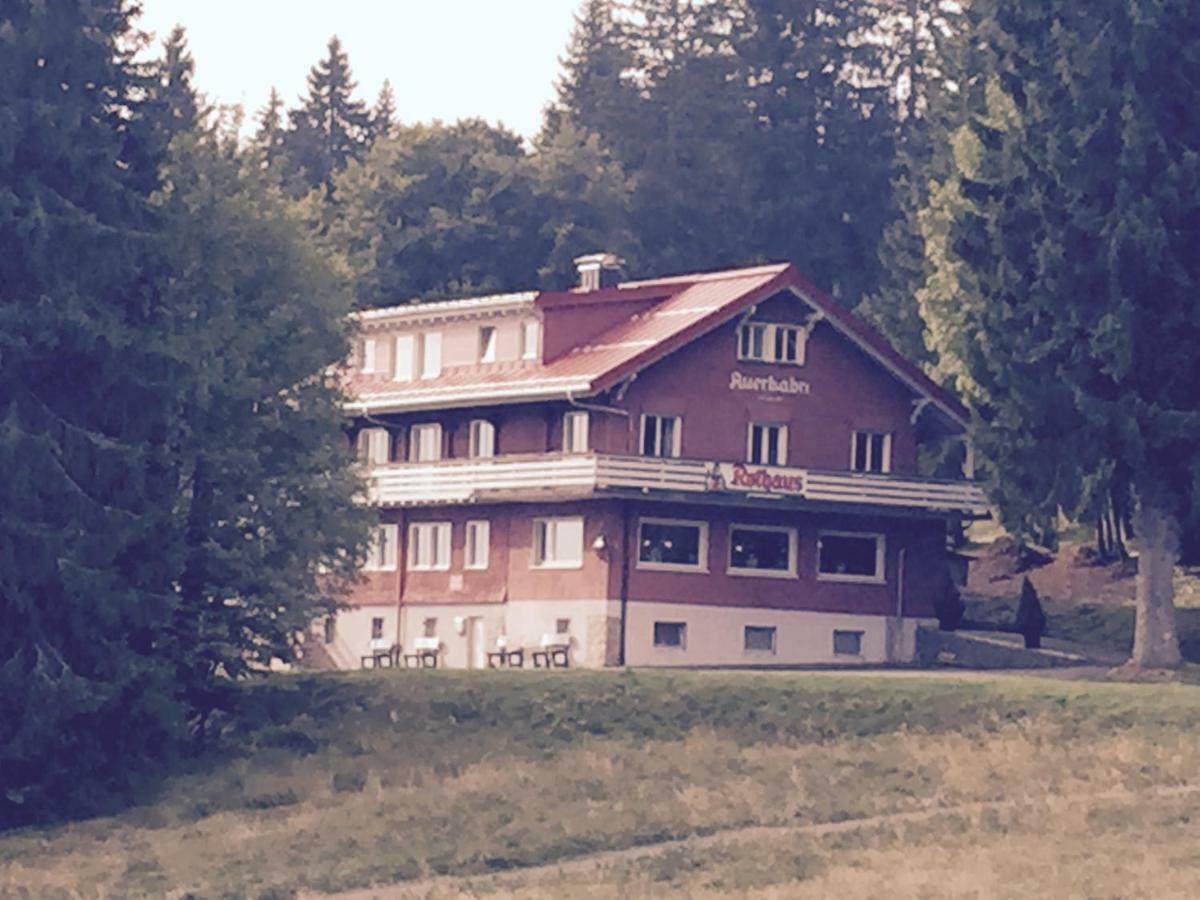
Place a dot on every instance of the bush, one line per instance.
(949, 608)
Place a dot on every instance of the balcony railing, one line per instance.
(551, 475)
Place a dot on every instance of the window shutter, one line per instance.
(368, 360)
(390, 539)
(443, 545)
(431, 362)
(405, 364)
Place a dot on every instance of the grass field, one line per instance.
(651, 783)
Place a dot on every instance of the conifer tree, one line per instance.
(1064, 290)
(383, 115)
(174, 101)
(270, 136)
(86, 556)
(331, 127)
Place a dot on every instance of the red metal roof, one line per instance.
(684, 307)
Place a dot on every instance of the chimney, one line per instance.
(598, 270)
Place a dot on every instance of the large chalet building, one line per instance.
(716, 469)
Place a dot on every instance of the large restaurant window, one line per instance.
(766, 443)
(575, 432)
(762, 342)
(557, 543)
(850, 556)
(660, 435)
(670, 634)
(429, 546)
(762, 550)
(382, 555)
(475, 555)
(871, 451)
(672, 544)
(425, 443)
(481, 439)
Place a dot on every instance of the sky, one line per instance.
(446, 59)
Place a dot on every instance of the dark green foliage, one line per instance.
(383, 115)
(1030, 620)
(86, 560)
(174, 106)
(330, 128)
(949, 608)
(268, 141)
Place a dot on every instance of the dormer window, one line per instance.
(487, 344)
(367, 356)
(431, 354)
(530, 333)
(763, 342)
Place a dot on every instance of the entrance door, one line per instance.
(476, 649)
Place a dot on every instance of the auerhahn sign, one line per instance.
(767, 384)
(755, 479)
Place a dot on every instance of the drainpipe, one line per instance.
(624, 579)
(899, 642)
(401, 570)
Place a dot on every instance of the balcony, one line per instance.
(565, 476)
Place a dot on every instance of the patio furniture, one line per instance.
(380, 652)
(424, 655)
(503, 658)
(553, 652)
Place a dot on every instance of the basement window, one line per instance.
(847, 643)
(670, 634)
(759, 639)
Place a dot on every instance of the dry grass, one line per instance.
(373, 780)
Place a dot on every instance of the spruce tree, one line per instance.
(173, 98)
(1064, 290)
(331, 127)
(383, 115)
(86, 556)
(269, 137)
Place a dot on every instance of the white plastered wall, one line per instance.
(715, 636)
(352, 637)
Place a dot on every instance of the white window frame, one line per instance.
(382, 554)
(477, 544)
(793, 554)
(857, 435)
(771, 334)
(374, 446)
(370, 355)
(773, 650)
(702, 555)
(767, 427)
(531, 331)
(880, 576)
(404, 357)
(431, 354)
(546, 546)
(417, 446)
(488, 340)
(658, 420)
(481, 439)
(429, 548)
(575, 427)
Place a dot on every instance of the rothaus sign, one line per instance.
(755, 479)
(767, 384)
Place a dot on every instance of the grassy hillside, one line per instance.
(371, 778)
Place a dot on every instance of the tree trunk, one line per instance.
(1155, 638)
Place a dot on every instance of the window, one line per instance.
(425, 443)
(849, 556)
(670, 634)
(481, 439)
(562, 626)
(377, 628)
(374, 446)
(429, 546)
(530, 331)
(382, 555)
(762, 550)
(330, 629)
(431, 354)
(766, 443)
(575, 432)
(847, 643)
(660, 435)
(672, 544)
(487, 343)
(404, 365)
(368, 355)
(477, 543)
(871, 451)
(759, 639)
(761, 342)
(557, 543)
(429, 628)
